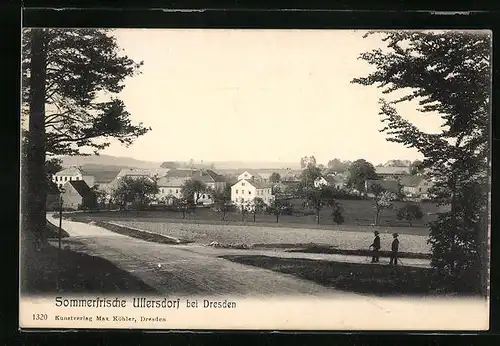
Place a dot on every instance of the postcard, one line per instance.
(216, 179)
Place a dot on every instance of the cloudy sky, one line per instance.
(266, 95)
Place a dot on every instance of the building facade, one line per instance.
(244, 192)
(72, 174)
(76, 194)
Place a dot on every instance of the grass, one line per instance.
(77, 273)
(382, 280)
(228, 235)
(355, 212)
(52, 232)
(146, 236)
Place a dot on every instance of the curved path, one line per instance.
(176, 270)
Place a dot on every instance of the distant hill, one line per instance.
(107, 160)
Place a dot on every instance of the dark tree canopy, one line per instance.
(449, 75)
(84, 71)
(275, 177)
(360, 171)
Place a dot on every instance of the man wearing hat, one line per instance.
(376, 247)
(394, 250)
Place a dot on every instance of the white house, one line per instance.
(244, 191)
(169, 188)
(336, 181)
(245, 176)
(74, 173)
(138, 173)
(416, 186)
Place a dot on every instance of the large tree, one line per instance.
(135, 192)
(70, 79)
(360, 171)
(449, 75)
(307, 161)
(193, 189)
(307, 177)
(318, 198)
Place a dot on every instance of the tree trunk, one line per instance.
(253, 217)
(34, 202)
(277, 217)
(376, 216)
(317, 216)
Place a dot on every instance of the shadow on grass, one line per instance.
(331, 250)
(52, 232)
(78, 273)
(377, 279)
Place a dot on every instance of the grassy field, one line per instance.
(356, 277)
(255, 236)
(357, 213)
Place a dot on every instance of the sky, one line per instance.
(256, 95)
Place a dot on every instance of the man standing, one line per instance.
(376, 247)
(394, 250)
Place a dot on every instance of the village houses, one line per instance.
(330, 180)
(392, 173)
(74, 173)
(244, 192)
(77, 194)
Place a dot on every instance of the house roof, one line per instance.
(257, 184)
(70, 171)
(172, 182)
(389, 185)
(252, 173)
(411, 181)
(180, 173)
(392, 170)
(81, 187)
(160, 172)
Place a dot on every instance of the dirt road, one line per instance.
(174, 270)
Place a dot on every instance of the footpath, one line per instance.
(85, 230)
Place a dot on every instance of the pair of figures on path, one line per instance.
(376, 249)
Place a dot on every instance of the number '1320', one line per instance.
(40, 317)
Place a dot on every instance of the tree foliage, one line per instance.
(279, 205)
(449, 75)
(137, 193)
(256, 206)
(410, 212)
(275, 177)
(83, 70)
(222, 201)
(360, 171)
(192, 190)
(337, 165)
(416, 167)
(307, 161)
(324, 196)
(382, 199)
(307, 178)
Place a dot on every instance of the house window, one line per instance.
(176, 190)
(203, 196)
(161, 190)
(236, 191)
(242, 184)
(249, 192)
(208, 196)
(242, 192)
(65, 178)
(242, 200)
(170, 190)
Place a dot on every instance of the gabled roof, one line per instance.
(216, 177)
(172, 182)
(70, 172)
(256, 184)
(252, 173)
(392, 170)
(81, 187)
(181, 173)
(160, 172)
(388, 185)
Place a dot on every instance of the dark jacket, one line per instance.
(376, 243)
(395, 245)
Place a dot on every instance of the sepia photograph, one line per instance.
(244, 179)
